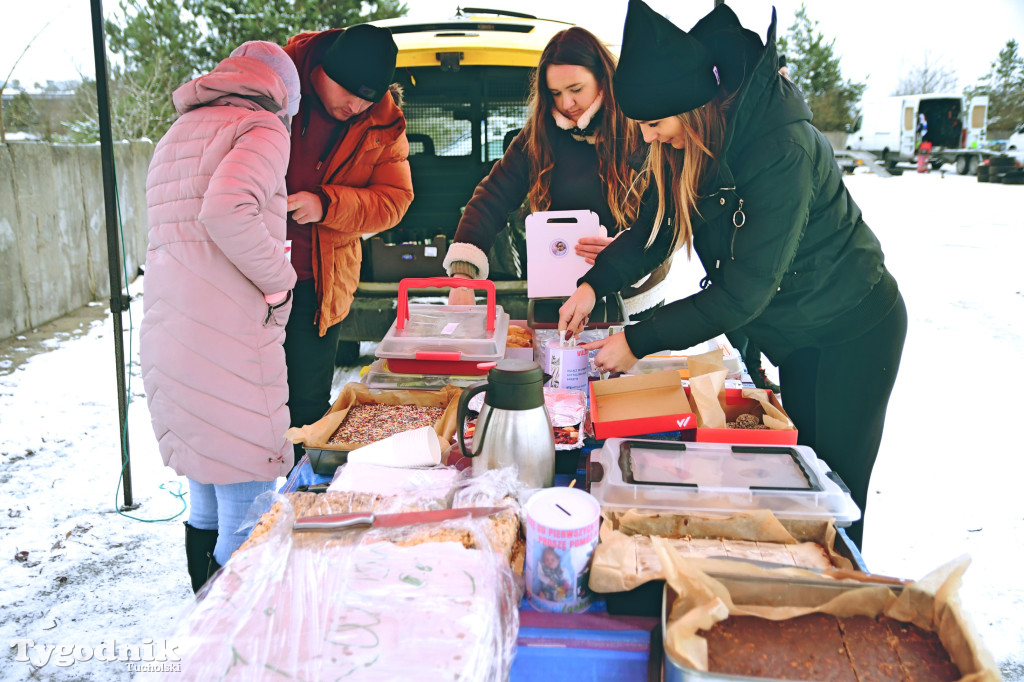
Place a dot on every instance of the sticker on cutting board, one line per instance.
(449, 328)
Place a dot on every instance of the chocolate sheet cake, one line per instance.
(826, 648)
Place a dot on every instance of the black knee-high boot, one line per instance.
(199, 545)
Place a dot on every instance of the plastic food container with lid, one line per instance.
(790, 481)
(445, 339)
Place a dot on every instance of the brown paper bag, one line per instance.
(707, 391)
(707, 381)
(773, 417)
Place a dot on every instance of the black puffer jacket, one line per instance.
(790, 260)
(576, 183)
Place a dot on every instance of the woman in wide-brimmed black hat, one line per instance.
(738, 173)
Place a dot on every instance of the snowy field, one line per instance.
(76, 572)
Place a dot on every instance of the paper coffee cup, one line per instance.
(567, 365)
(416, 448)
(562, 527)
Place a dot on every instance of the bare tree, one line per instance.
(3, 86)
(931, 76)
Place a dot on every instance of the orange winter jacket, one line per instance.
(367, 185)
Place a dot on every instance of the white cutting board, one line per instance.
(552, 266)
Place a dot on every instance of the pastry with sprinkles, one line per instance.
(371, 422)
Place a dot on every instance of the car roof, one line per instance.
(485, 37)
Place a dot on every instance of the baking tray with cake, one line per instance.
(360, 417)
(759, 629)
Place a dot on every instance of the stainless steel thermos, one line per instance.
(513, 427)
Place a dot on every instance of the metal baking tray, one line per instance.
(751, 591)
(324, 462)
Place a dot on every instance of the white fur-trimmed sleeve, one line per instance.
(470, 253)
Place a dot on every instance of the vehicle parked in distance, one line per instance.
(1016, 141)
(887, 127)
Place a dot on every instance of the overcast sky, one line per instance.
(876, 40)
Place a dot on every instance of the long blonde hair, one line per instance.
(681, 171)
(616, 136)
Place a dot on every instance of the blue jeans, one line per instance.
(223, 508)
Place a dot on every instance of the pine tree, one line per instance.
(229, 23)
(160, 44)
(1004, 85)
(814, 68)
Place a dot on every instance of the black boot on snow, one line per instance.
(199, 545)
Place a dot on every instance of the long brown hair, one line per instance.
(681, 171)
(616, 136)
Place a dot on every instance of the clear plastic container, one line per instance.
(788, 480)
(677, 359)
(444, 339)
(378, 376)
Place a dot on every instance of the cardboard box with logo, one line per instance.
(637, 405)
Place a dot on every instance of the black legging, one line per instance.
(309, 358)
(837, 397)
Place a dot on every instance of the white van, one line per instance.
(887, 127)
(1016, 141)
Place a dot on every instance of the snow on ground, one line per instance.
(75, 572)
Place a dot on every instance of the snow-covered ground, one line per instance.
(75, 572)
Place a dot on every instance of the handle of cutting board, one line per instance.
(440, 283)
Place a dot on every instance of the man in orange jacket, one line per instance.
(348, 175)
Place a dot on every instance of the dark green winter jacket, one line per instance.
(789, 259)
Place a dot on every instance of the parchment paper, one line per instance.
(625, 558)
(707, 384)
(317, 434)
(930, 603)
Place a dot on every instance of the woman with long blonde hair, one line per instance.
(573, 153)
(739, 174)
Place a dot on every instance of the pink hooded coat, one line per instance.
(211, 347)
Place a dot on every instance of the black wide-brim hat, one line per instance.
(663, 71)
(362, 60)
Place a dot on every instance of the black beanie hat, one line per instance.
(734, 49)
(662, 70)
(362, 60)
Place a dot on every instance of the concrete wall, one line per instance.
(53, 242)
(838, 140)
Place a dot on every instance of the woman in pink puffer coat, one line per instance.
(217, 294)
